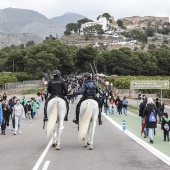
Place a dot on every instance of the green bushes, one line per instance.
(123, 82)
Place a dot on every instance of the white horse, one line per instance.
(56, 111)
(87, 121)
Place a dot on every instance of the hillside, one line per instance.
(67, 18)
(21, 25)
(17, 39)
(16, 21)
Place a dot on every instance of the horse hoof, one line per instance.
(57, 148)
(85, 146)
(88, 143)
(91, 148)
(54, 144)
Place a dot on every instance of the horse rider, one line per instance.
(56, 87)
(89, 90)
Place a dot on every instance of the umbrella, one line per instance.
(143, 125)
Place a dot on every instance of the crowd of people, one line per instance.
(13, 110)
(149, 111)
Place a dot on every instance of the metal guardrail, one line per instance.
(21, 86)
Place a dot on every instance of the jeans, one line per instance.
(18, 120)
(120, 111)
(13, 123)
(111, 110)
(106, 109)
(151, 133)
(125, 110)
(3, 125)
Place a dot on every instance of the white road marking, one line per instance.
(42, 156)
(151, 149)
(46, 165)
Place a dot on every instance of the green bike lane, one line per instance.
(133, 126)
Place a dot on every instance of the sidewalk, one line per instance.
(133, 125)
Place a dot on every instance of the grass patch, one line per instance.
(32, 91)
(133, 109)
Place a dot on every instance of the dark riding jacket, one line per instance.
(88, 90)
(57, 87)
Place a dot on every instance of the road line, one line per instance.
(151, 149)
(42, 156)
(46, 165)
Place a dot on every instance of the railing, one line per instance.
(21, 86)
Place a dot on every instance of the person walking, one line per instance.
(125, 105)
(18, 113)
(111, 105)
(100, 103)
(106, 105)
(150, 112)
(141, 110)
(158, 105)
(165, 126)
(11, 103)
(2, 117)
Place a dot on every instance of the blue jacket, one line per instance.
(1, 114)
(83, 89)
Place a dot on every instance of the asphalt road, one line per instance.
(113, 149)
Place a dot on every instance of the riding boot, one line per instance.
(75, 120)
(99, 118)
(67, 106)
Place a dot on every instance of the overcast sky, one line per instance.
(93, 8)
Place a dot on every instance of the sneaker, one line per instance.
(15, 133)
(151, 141)
(20, 132)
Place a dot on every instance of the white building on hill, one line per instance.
(102, 21)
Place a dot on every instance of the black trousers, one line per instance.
(166, 134)
(100, 111)
(51, 97)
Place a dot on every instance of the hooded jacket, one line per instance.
(147, 111)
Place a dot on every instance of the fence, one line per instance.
(21, 86)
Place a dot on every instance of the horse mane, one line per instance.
(85, 120)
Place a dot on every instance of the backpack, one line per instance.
(166, 126)
(152, 117)
(111, 101)
(100, 100)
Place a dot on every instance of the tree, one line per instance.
(30, 44)
(120, 23)
(82, 21)
(67, 32)
(85, 57)
(71, 27)
(150, 32)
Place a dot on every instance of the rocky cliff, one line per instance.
(144, 22)
(17, 39)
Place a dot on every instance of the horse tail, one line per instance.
(52, 119)
(85, 120)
